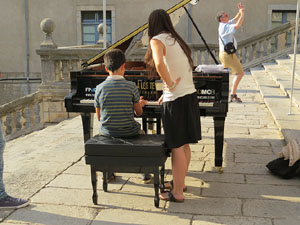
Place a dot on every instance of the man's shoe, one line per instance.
(110, 177)
(13, 203)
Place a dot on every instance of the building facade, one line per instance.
(76, 24)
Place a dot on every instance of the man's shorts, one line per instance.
(232, 62)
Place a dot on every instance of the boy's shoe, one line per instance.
(110, 177)
(235, 98)
(147, 178)
(13, 203)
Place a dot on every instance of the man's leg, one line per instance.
(236, 80)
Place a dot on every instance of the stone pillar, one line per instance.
(53, 87)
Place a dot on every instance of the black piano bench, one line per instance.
(141, 154)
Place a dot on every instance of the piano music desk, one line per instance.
(140, 154)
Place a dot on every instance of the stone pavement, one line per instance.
(48, 167)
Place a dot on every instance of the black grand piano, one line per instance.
(212, 90)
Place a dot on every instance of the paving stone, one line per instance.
(249, 149)
(247, 191)
(292, 220)
(271, 179)
(120, 216)
(203, 205)
(240, 168)
(84, 182)
(79, 170)
(232, 220)
(216, 177)
(53, 214)
(253, 158)
(276, 206)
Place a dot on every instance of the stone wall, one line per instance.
(14, 86)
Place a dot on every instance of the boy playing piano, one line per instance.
(116, 102)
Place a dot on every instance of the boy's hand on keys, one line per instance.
(142, 101)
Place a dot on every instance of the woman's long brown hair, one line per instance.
(160, 21)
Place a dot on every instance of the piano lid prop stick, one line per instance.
(212, 55)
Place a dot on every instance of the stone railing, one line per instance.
(22, 116)
(255, 50)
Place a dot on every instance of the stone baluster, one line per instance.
(23, 120)
(254, 47)
(32, 115)
(281, 41)
(13, 121)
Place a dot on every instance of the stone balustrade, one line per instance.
(22, 115)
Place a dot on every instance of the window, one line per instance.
(90, 22)
(280, 17)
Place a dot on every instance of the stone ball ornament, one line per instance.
(47, 25)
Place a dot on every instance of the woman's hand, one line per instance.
(160, 99)
(173, 85)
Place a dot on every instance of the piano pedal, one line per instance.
(153, 131)
(219, 169)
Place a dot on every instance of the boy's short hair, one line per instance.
(114, 59)
(219, 16)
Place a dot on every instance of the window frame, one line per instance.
(95, 22)
(81, 8)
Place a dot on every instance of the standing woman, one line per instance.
(170, 57)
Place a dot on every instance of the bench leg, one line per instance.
(156, 187)
(162, 179)
(105, 174)
(94, 184)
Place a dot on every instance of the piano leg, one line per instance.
(145, 127)
(158, 125)
(219, 140)
(87, 124)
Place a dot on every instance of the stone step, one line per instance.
(284, 80)
(287, 65)
(278, 104)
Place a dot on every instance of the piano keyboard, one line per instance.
(87, 101)
(203, 104)
(206, 104)
(152, 103)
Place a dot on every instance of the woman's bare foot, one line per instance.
(169, 196)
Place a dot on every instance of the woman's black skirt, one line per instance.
(181, 121)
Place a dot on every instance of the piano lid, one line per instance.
(130, 39)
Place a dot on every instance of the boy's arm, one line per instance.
(138, 107)
(98, 113)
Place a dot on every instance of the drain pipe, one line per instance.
(27, 45)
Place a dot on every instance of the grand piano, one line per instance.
(212, 89)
